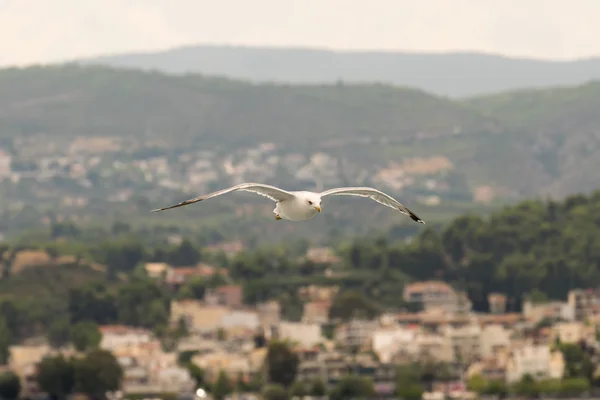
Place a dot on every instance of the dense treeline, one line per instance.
(548, 246)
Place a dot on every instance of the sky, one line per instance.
(46, 31)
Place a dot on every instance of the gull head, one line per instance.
(311, 199)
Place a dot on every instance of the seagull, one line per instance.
(302, 205)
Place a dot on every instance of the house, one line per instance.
(465, 340)
(554, 310)
(491, 368)
(229, 296)
(322, 255)
(390, 341)
(316, 312)
(23, 361)
(240, 319)
(436, 294)
(176, 276)
(229, 248)
(174, 377)
(232, 363)
(507, 320)
(115, 336)
(497, 303)
(147, 369)
(305, 335)
(355, 333)
(269, 314)
(433, 347)
(539, 361)
(318, 293)
(585, 302)
(493, 339)
(156, 270)
(572, 332)
(199, 317)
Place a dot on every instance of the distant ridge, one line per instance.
(446, 74)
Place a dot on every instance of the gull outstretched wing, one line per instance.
(374, 194)
(268, 191)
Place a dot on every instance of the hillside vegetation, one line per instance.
(108, 121)
(71, 101)
(534, 248)
(561, 128)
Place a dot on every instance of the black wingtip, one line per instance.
(415, 218)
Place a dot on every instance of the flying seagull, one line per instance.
(302, 205)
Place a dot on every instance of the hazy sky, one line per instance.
(52, 30)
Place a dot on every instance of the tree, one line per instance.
(97, 373)
(318, 388)
(121, 256)
(52, 251)
(574, 387)
(92, 302)
(577, 362)
(143, 303)
(527, 387)
(222, 386)
(185, 357)
(409, 380)
(257, 381)
(352, 386)
(477, 384)
(549, 387)
(56, 376)
(194, 288)
(59, 332)
(184, 255)
(282, 363)
(196, 373)
(496, 388)
(352, 304)
(85, 335)
(275, 391)
(299, 389)
(10, 386)
(5, 340)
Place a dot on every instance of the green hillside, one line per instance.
(147, 131)
(559, 126)
(72, 100)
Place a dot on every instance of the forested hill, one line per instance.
(76, 136)
(531, 249)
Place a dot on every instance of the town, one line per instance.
(225, 336)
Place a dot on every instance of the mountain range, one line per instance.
(449, 74)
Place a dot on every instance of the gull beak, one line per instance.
(318, 208)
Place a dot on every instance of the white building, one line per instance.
(117, 336)
(388, 342)
(535, 360)
(240, 319)
(306, 335)
(355, 333)
(494, 338)
(555, 310)
(466, 340)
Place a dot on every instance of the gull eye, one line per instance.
(310, 202)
